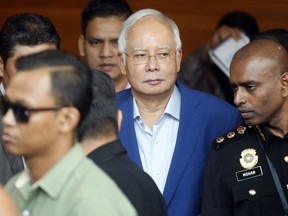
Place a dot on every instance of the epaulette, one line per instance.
(231, 136)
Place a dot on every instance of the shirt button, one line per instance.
(25, 213)
(286, 159)
(252, 192)
(157, 172)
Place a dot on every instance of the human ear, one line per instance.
(69, 119)
(1, 68)
(284, 82)
(121, 63)
(81, 46)
(179, 58)
(119, 118)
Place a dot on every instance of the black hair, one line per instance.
(102, 118)
(26, 29)
(241, 20)
(70, 78)
(104, 8)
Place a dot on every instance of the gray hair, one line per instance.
(130, 22)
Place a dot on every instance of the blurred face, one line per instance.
(100, 45)
(38, 136)
(258, 90)
(19, 51)
(151, 39)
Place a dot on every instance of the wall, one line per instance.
(196, 18)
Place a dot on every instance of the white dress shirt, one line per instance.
(156, 146)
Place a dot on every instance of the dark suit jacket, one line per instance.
(9, 165)
(203, 117)
(137, 185)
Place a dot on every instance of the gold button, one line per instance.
(287, 186)
(220, 139)
(286, 159)
(241, 129)
(252, 192)
(231, 134)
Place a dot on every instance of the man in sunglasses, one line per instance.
(21, 34)
(40, 117)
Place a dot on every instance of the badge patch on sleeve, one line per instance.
(248, 174)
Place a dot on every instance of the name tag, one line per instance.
(248, 174)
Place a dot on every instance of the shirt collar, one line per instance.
(268, 137)
(54, 180)
(172, 108)
(107, 152)
(2, 89)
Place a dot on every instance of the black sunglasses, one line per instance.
(22, 113)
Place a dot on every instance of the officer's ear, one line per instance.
(284, 81)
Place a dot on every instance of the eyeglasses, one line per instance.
(22, 113)
(142, 57)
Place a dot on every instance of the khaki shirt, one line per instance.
(74, 186)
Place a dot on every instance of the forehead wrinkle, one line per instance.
(141, 49)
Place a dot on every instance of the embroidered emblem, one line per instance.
(248, 159)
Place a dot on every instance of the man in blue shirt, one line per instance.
(167, 128)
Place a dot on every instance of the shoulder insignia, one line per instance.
(241, 129)
(231, 134)
(221, 141)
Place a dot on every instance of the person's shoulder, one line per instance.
(240, 133)
(189, 91)
(123, 95)
(7, 205)
(203, 98)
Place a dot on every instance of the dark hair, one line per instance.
(26, 29)
(278, 35)
(70, 78)
(241, 20)
(101, 120)
(104, 8)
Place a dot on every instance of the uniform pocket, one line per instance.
(253, 189)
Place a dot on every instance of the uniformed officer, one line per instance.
(247, 170)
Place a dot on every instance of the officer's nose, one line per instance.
(239, 97)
